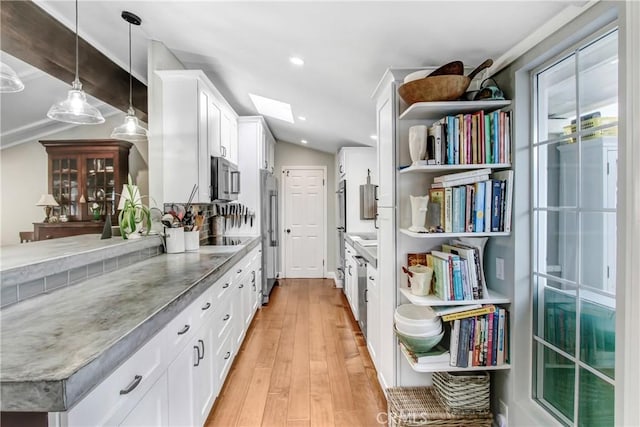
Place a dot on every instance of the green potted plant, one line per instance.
(133, 214)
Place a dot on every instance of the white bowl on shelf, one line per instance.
(419, 332)
(420, 321)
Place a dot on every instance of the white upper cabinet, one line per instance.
(356, 163)
(197, 123)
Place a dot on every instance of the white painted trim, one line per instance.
(548, 28)
(324, 214)
(627, 290)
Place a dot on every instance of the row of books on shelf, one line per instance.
(458, 273)
(474, 138)
(475, 340)
(474, 202)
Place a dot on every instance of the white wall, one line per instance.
(24, 176)
(288, 154)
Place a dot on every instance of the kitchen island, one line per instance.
(58, 346)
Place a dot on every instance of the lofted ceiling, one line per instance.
(245, 48)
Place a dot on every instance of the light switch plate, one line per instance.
(500, 268)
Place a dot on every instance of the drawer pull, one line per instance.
(132, 385)
(241, 286)
(239, 271)
(225, 318)
(197, 349)
(184, 330)
(225, 286)
(372, 279)
(202, 355)
(227, 355)
(206, 306)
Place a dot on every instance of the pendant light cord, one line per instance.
(77, 60)
(130, 90)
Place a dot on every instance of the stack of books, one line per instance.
(476, 201)
(465, 139)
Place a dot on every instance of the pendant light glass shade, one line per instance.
(9, 80)
(131, 129)
(75, 109)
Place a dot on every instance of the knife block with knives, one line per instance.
(232, 215)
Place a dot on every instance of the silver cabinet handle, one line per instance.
(350, 271)
(197, 349)
(184, 330)
(201, 342)
(375, 192)
(206, 306)
(225, 318)
(227, 355)
(132, 385)
(241, 286)
(375, 222)
(372, 279)
(239, 271)
(225, 286)
(366, 293)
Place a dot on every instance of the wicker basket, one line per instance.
(419, 406)
(463, 392)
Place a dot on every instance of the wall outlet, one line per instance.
(500, 268)
(504, 411)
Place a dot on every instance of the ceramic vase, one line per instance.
(417, 143)
(418, 213)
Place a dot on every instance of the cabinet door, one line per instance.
(263, 147)
(387, 291)
(65, 187)
(386, 150)
(204, 170)
(152, 409)
(213, 118)
(272, 155)
(233, 140)
(341, 163)
(225, 134)
(181, 373)
(373, 314)
(205, 379)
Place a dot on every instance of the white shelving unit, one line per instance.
(451, 235)
(445, 367)
(437, 110)
(432, 300)
(449, 168)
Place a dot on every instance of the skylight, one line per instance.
(272, 108)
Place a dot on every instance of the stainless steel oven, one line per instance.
(225, 180)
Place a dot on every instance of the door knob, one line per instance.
(288, 230)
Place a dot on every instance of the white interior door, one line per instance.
(304, 222)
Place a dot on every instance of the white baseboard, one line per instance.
(331, 275)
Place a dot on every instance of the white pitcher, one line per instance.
(418, 213)
(417, 143)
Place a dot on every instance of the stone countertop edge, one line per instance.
(362, 251)
(60, 395)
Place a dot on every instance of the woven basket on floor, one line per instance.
(463, 392)
(419, 406)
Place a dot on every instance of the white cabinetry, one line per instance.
(373, 314)
(174, 378)
(196, 123)
(351, 279)
(353, 165)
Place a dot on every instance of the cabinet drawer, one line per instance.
(224, 358)
(180, 330)
(223, 318)
(222, 287)
(114, 398)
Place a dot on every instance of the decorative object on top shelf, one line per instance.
(489, 91)
(417, 143)
(446, 87)
(131, 129)
(133, 214)
(419, 279)
(48, 201)
(75, 109)
(419, 206)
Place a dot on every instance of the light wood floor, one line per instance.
(304, 362)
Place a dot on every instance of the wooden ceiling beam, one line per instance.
(32, 35)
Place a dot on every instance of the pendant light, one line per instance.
(9, 80)
(75, 109)
(131, 129)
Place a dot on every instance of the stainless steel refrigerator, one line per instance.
(269, 231)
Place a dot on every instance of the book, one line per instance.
(486, 309)
(447, 210)
(436, 131)
(457, 278)
(461, 181)
(478, 225)
(436, 195)
(469, 255)
(501, 335)
(416, 259)
(507, 177)
(463, 342)
(455, 176)
(450, 141)
(489, 341)
(453, 343)
(438, 354)
(468, 218)
(450, 309)
(496, 203)
(455, 210)
(487, 205)
(487, 138)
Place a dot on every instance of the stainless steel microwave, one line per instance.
(225, 180)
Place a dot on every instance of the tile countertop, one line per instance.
(57, 346)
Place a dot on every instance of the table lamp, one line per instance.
(48, 202)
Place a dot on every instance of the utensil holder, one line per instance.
(191, 241)
(174, 238)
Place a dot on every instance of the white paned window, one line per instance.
(574, 151)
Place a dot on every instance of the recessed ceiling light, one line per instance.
(304, 141)
(302, 118)
(296, 60)
(272, 108)
(374, 137)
